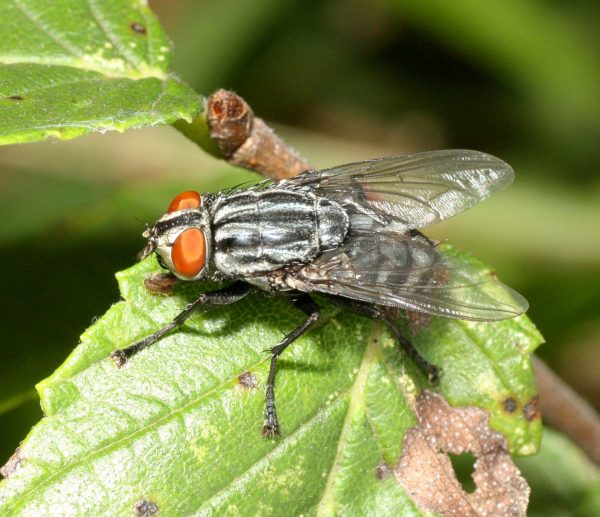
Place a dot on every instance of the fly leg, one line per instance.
(380, 313)
(306, 304)
(432, 371)
(225, 296)
(161, 283)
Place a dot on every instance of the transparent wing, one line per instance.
(412, 191)
(409, 272)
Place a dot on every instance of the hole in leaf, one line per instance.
(463, 465)
(459, 435)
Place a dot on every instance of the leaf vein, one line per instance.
(60, 85)
(163, 91)
(114, 39)
(47, 30)
(495, 368)
(327, 501)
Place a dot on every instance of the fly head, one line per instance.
(182, 237)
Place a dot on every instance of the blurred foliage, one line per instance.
(563, 481)
(358, 79)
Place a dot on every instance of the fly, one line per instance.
(348, 232)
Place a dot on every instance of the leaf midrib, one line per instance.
(86, 66)
(356, 392)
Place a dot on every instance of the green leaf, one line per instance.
(179, 425)
(68, 68)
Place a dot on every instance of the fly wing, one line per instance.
(412, 191)
(409, 272)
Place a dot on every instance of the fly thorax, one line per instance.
(332, 223)
(259, 231)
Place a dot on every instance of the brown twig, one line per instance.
(246, 141)
(565, 410)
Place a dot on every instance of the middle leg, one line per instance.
(306, 304)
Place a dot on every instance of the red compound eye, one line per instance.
(189, 252)
(188, 199)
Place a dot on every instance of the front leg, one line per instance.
(306, 304)
(225, 296)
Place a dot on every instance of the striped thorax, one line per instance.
(256, 232)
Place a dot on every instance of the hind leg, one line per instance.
(381, 313)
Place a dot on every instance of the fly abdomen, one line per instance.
(264, 230)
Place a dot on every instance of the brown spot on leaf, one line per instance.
(145, 508)
(161, 283)
(119, 357)
(382, 471)
(13, 463)
(417, 321)
(248, 380)
(426, 472)
(510, 405)
(16, 98)
(531, 410)
(137, 27)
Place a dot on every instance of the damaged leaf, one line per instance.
(178, 428)
(13, 463)
(427, 474)
(68, 68)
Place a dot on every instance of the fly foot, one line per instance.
(433, 374)
(270, 428)
(119, 357)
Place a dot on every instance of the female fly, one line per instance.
(349, 232)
